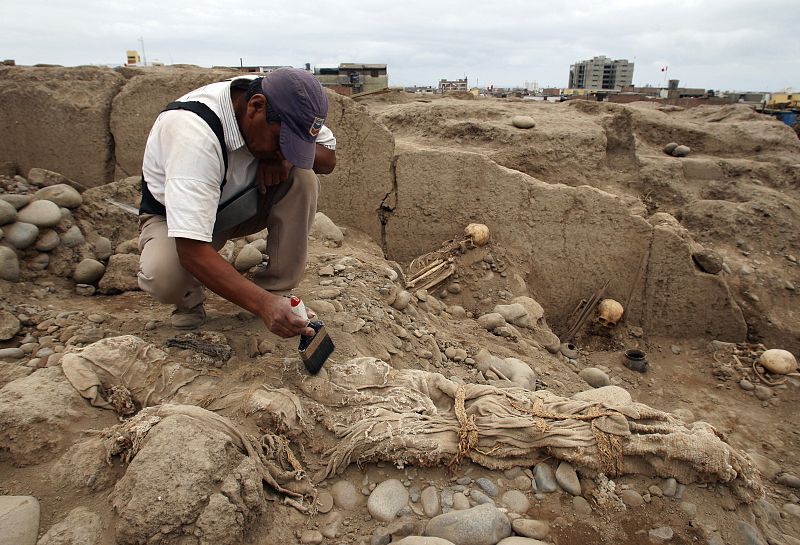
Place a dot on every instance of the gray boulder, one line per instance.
(324, 229)
(481, 525)
(88, 271)
(8, 213)
(40, 214)
(21, 235)
(681, 151)
(523, 122)
(709, 261)
(386, 501)
(48, 240)
(9, 264)
(121, 274)
(61, 194)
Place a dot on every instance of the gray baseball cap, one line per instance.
(300, 102)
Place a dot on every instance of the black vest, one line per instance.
(149, 203)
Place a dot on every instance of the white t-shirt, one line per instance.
(183, 163)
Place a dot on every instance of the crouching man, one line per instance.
(225, 161)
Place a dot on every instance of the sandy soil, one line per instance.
(737, 193)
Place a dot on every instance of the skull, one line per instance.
(478, 233)
(609, 312)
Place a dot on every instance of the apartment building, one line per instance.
(601, 73)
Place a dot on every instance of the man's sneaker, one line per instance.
(189, 319)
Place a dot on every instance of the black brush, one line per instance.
(314, 349)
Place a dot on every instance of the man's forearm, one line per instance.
(204, 263)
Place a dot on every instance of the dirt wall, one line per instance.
(570, 240)
(353, 193)
(141, 100)
(57, 119)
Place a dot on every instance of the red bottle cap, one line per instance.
(294, 301)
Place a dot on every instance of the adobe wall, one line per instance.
(570, 240)
(57, 118)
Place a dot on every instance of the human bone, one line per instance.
(609, 312)
(778, 361)
(478, 232)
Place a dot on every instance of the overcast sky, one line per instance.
(733, 44)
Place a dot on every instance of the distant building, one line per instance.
(353, 78)
(601, 73)
(453, 85)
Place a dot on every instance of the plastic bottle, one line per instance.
(298, 308)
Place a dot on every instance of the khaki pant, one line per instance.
(287, 210)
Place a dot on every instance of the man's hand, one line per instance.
(204, 263)
(276, 312)
(272, 172)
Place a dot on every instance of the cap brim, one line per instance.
(296, 150)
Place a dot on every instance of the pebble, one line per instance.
(72, 237)
(88, 271)
(581, 506)
(655, 491)
(746, 385)
(536, 529)
(745, 270)
(9, 264)
(40, 214)
(460, 501)
(420, 540)
(102, 248)
(545, 478)
(594, 377)
(387, 500)
(447, 497)
(345, 495)
(766, 467)
(522, 482)
(763, 392)
(516, 540)
(480, 497)
(311, 537)
(631, 498)
(787, 479)
(568, 479)
(8, 213)
(792, 509)
(664, 533)
(39, 263)
(491, 321)
(516, 501)
(681, 151)
(48, 240)
(464, 481)
(480, 525)
(670, 487)
(11, 353)
(487, 486)
(21, 235)
(689, 508)
(61, 194)
(750, 534)
(247, 258)
(85, 290)
(612, 395)
(523, 122)
(402, 300)
(457, 312)
(708, 261)
(9, 325)
(430, 502)
(324, 501)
